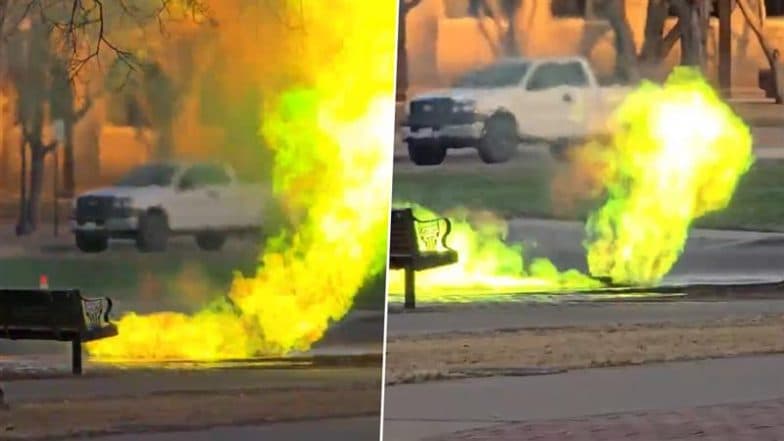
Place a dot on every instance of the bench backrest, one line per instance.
(36, 308)
(402, 233)
(409, 235)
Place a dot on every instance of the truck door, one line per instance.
(554, 103)
(201, 201)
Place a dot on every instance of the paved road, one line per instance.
(710, 255)
(414, 412)
(360, 429)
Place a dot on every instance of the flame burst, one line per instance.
(331, 131)
(678, 154)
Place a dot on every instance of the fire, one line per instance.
(488, 266)
(331, 127)
(678, 154)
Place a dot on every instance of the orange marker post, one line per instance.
(43, 282)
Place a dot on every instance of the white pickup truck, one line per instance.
(158, 200)
(556, 101)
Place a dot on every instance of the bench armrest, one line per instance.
(96, 312)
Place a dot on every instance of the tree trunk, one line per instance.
(37, 156)
(5, 146)
(92, 152)
(21, 223)
(402, 54)
(652, 46)
(692, 20)
(69, 163)
(164, 147)
(626, 68)
(510, 9)
(5, 161)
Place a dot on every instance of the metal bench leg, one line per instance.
(76, 356)
(410, 295)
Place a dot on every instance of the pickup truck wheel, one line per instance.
(91, 242)
(426, 153)
(210, 241)
(153, 235)
(500, 140)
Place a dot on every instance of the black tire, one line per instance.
(91, 242)
(210, 240)
(500, 140)
(426, 153)
(559, 149)
(153, 235)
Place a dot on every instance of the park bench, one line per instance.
(59, 315)
(417, 245)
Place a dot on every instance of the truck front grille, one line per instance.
(93, 208)
(436, 112)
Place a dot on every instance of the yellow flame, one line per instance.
(331, 127)
(487, 265)
(677, 154)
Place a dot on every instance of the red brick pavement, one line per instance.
(757, 421)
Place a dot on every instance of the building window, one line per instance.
(569, 8)
(774, 8)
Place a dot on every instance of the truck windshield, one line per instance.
(497, 75)
(148, 175)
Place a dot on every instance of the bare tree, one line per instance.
(31, 53)
(59, 39)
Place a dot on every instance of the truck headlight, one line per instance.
(467, 106)
(122, 206)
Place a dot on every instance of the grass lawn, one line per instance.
(522, 188)
(153, 282)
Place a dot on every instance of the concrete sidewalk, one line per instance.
(488, 317)
(755, 421)
(419, 411)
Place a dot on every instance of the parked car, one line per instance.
(158, 200)
(557, 101)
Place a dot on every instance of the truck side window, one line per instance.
(204, 175)
(550, 75)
